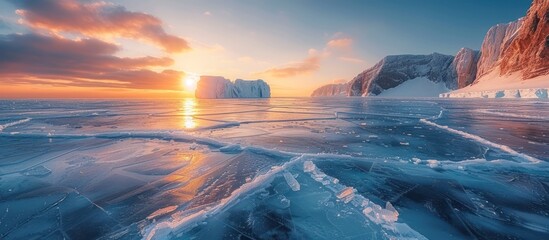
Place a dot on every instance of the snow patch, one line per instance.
(492, 85)
(417, 87)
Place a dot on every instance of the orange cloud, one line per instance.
(97, 20)
(308, 65)
(341, 43)
(37, 59)
(312, 62)
(352, 60)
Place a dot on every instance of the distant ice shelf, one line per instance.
(494, 85)
(514, 93)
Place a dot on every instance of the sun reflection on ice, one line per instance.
(189, 110)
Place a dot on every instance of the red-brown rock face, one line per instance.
(529, 50)
(465, 65)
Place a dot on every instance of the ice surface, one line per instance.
(348, 168)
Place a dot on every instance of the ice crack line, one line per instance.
(385, 217)
(180, 220)
(7, 125)
(479, 139)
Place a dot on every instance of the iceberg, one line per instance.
(219, 87)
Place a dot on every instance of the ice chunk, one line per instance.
(236, 148)
(308, 166)
(432, 163)
(347, 194)
(292, 182)
(219, 87)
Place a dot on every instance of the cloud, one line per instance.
(207, 13)
(340, 43)
(311, 64)
(352, 60)
(308, 65)
(33, 58)
(97, 19)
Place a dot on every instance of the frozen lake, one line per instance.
(305, 168)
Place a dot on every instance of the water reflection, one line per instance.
(189, 110)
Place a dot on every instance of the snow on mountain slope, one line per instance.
(417, 87)
(392, 71)
(219, 87)
(492, 85)
(395, 70)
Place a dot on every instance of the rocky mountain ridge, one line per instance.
(519, 47)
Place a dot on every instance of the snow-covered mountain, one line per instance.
(219, 87)
(443, 71)
(392, 71)
(515, 59)
(514, 56)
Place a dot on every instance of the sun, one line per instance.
(189, 81)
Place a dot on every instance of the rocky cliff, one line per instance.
(392, 71)
(465, 67)
(519, 48)
(528, 51)
(497, 40)
(395, 70)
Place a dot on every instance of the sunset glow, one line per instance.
(274, 119)
(189, 110)
(189, 81)
(148, 49)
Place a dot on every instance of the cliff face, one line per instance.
(495, 43)
(519, 48)
(529, 49)
(395, 70)
(465, 66)
(392, 71)
(331, 90)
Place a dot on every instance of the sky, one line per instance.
(160, 48)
